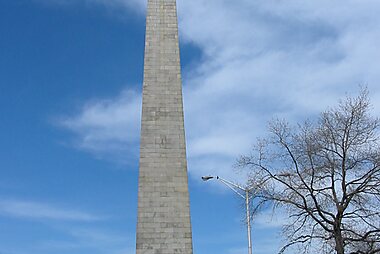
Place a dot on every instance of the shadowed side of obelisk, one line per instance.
(163, 225)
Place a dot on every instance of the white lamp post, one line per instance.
(237, 188)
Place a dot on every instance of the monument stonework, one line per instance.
(163, 223)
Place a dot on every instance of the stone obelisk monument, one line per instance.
(163, 223)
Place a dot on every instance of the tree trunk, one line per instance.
(339, 246)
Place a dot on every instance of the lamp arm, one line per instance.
(231, 183)
(232, 186)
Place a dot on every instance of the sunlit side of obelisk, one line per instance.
(163, 225)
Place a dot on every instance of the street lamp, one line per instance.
(246, 191)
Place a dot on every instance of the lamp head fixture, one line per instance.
(206, 178)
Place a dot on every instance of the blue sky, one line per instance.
(70, 95)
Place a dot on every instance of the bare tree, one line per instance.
(326, 176)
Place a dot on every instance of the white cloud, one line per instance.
(270, 58)
(269, 219)
(72, 229)
(35, 210)
(85, 239)
(108, 127)
(260, 59)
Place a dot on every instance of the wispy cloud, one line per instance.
(260, 59)
(36, 210)
(87, 239)
(270, 58)
(71, 229)
(268, 219)
(108, 127)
